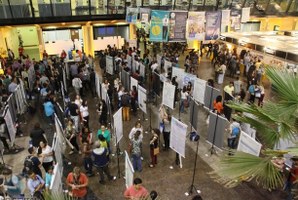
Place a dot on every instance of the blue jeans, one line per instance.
(136, 162)
(182, 105)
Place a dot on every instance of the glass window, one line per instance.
(166, 4)
(4, 10)
(196, 5)
(61, 8)
(100, 7)
(80, 7)
(151, 3)
(294, 6)
(182, 5)
(20, 8)
(44, 8)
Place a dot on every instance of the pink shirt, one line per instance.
(132, 193)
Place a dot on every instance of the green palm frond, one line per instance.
(245, 167)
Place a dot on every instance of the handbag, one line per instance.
(156, 151)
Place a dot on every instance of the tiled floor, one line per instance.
(171, 184)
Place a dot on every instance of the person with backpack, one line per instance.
(235, 131)
(125, 103)
(32, 163)
(35, 184)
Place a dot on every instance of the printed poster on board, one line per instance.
(132, 15)
(225, 20)
(245, 14)
(177, 26)
(196, 26)
(235, 19)
(159, 30)
(213, 20)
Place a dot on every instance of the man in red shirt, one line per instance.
(78, 183)
(136, 191)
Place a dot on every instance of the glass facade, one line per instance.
(40, 9)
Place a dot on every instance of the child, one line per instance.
(49, 175)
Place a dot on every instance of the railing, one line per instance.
(49, 10)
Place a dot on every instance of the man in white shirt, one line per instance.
(154, 66)
(229, 89)
(77, 84)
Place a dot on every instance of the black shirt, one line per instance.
(73, 109)
(37, 135)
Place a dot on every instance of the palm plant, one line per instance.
(274, 121)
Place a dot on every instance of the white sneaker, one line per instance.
(71, 152)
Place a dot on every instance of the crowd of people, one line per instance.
(42, 80)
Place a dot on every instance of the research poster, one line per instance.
(189, 78)
(145, 15)
(196, 26)
(142, 99)
(133, 82)
(235, 19)
(216, 128)
(159, 29)
(249, 145)
(199, 90)
(110, 65)
(118, 125)
(177, 26)
(128, 171)
(210, 95)
(56, 182)
(168, 95)
(10, 125)
(178, 136)
(179, 73)
(213, 20)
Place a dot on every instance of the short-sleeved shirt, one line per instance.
(81, 192)
(136, 194)
(73, 109)
(48, 179)
(32, 184)
(106, 134)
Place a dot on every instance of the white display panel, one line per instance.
(199, 90)
(248, 144)
(168, 95)
(118, 125)
(178, 136)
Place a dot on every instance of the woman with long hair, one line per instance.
(46, 155)
(84, 113)
(154, 146)
(103, 112)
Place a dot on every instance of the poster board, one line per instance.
(156, 83)
(199, 90)
(178, 136)
(110, 65)
(104, 92)
(210, 95)
(248, 144)
(168, 95)
(193, 114)
(118, 125)
(97, 85)
(129, 171)
(142, 99)
(56, 183)
(10, 124)
(133, 82)
(217, 127)
(180, 76)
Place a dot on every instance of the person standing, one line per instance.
(49, 110)
(217, 105)
(35, 184)
(71, 135)
(46, 155)
(125, 102)
(106, 134)
(136, 191)
(86, 150)
(77, 84)
(34, 163)
(136, 150)
(78, 182)
(166, 132)
(74, 114)
(3, 134)
(183, 99)
(101, 162)
(37, 135)
(154, 146)
(229, 91)
(102, 110)
(235, 131)
(134, 99)
(84, 113)
(13, 185)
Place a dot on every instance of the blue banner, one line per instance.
(213, 20)
(132, 15)
(159, 30)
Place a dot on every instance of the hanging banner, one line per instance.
(225, 20)
(177, 26)
(145, 15)
(235, 19)
(159, 30)
(196, 26)
(178, 136)
(199, 90)
(168, 95)
(249, 145)
(213, 20)
(131, 15)
(245, 14)
(142, 99)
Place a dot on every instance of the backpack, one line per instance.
(28, 165)
(235, 131)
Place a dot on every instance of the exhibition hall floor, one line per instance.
(171, 184)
